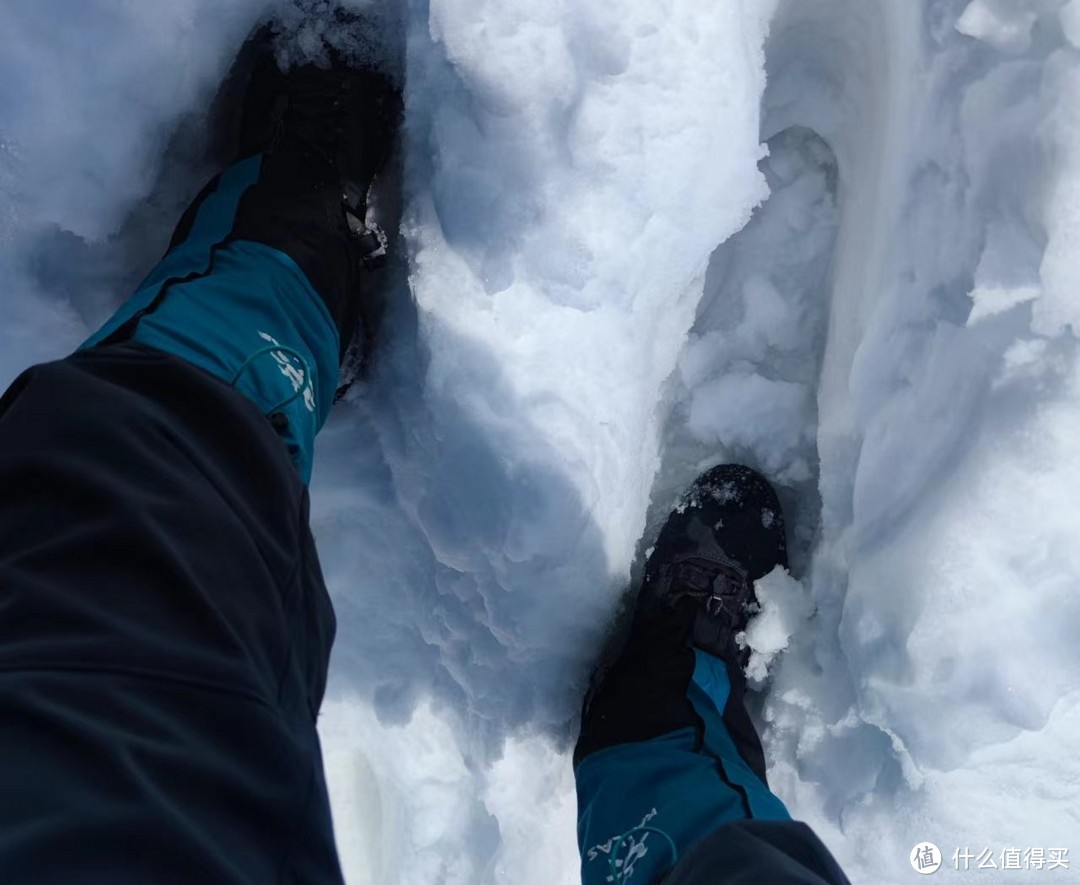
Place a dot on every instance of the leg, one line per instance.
(668, 764)
(165, 634)
(166, 629)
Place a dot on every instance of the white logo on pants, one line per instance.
(296, 376)
(635, 849)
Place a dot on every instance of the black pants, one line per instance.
(164, 633)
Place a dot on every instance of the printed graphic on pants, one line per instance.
(620, 854)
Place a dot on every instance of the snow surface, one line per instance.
(615, 284)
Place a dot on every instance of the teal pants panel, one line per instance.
(244, 312)
(642, 805)
(192, 257)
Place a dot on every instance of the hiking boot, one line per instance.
(726, 532)
(326, 132)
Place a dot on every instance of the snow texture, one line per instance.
(781, 610)
(834, 239)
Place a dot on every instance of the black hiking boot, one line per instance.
(726, 532)
(326, 132)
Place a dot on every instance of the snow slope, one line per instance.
(835, 239)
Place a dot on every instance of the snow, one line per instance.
(782, 608)
(833, 239)
(1001, 25)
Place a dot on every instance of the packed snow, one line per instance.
(781, 611)
(834, 239)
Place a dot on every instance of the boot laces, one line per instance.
(722, 588)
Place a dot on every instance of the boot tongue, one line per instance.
(695, 576)
(724, 615)
(719, 593)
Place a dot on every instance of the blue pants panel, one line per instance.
(641, 805)
(244, 312)
(193, 255)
